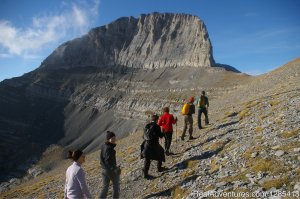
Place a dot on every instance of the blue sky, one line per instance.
(255, 36)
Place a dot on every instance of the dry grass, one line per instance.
(290, 146)
(277, 183)
(258, 129)
(247, 154)
(187, 173)
(179, 193)
(274, 102)
(250, 104)
(192, 163)
(240, 177)
(216, 164)
(209, 187)
(244, 113)
(216, 145)
(130, 150)
(290, 134)
(269, 165)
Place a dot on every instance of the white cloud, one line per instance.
(74, 20)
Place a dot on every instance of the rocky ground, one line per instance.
(251, 146)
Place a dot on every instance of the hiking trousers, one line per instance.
(204, 111)
(168, 140)
(188, 123)
(147, 165)
(108, 176)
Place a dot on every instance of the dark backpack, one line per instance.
(149, 132)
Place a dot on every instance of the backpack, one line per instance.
(185, 109)
(201, 102)
(149, 132)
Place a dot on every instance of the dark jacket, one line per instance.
(108, 157)
(191, 109)
(151, 149)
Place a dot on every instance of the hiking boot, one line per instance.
(148, 177)
(191, 138)
(182, 137)
(167, 153)
(161, 169)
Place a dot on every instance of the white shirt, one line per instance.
(76, 186)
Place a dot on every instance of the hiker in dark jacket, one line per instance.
(188, 119)
(202, 105)
(152, 149)
(110, 170)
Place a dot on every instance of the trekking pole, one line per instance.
(176, 130)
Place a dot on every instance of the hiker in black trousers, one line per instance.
(202, 105)
(110, 170)
(151, 149)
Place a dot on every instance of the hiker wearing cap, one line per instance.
(202, 104)
(151, 149)
(75, 185)
(166, 122)
(110, 170)
(188, 110)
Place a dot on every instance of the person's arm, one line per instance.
(159, 132)
(82, 183)
(207, 103)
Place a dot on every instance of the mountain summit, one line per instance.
(151, 41)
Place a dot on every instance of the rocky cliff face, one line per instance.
(151, 41)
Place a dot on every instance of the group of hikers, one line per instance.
(157, 128)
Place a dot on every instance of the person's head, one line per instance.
(203, 92)
(191, 99)
(77, 156)
(166, 110)
(154, 118)
(111, 137)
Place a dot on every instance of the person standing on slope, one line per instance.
(188, 110)
(202, 104)
(152, 150)
(110, 170)
(166, 122)
(75, 186)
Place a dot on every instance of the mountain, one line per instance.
(109, 79)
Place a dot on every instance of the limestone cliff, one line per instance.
(151, 41)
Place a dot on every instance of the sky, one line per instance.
(254, 36)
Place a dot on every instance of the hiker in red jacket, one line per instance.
(166, 122)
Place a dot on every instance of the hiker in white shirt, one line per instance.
(75, 186)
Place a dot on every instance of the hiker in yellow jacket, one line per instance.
(187, 111)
